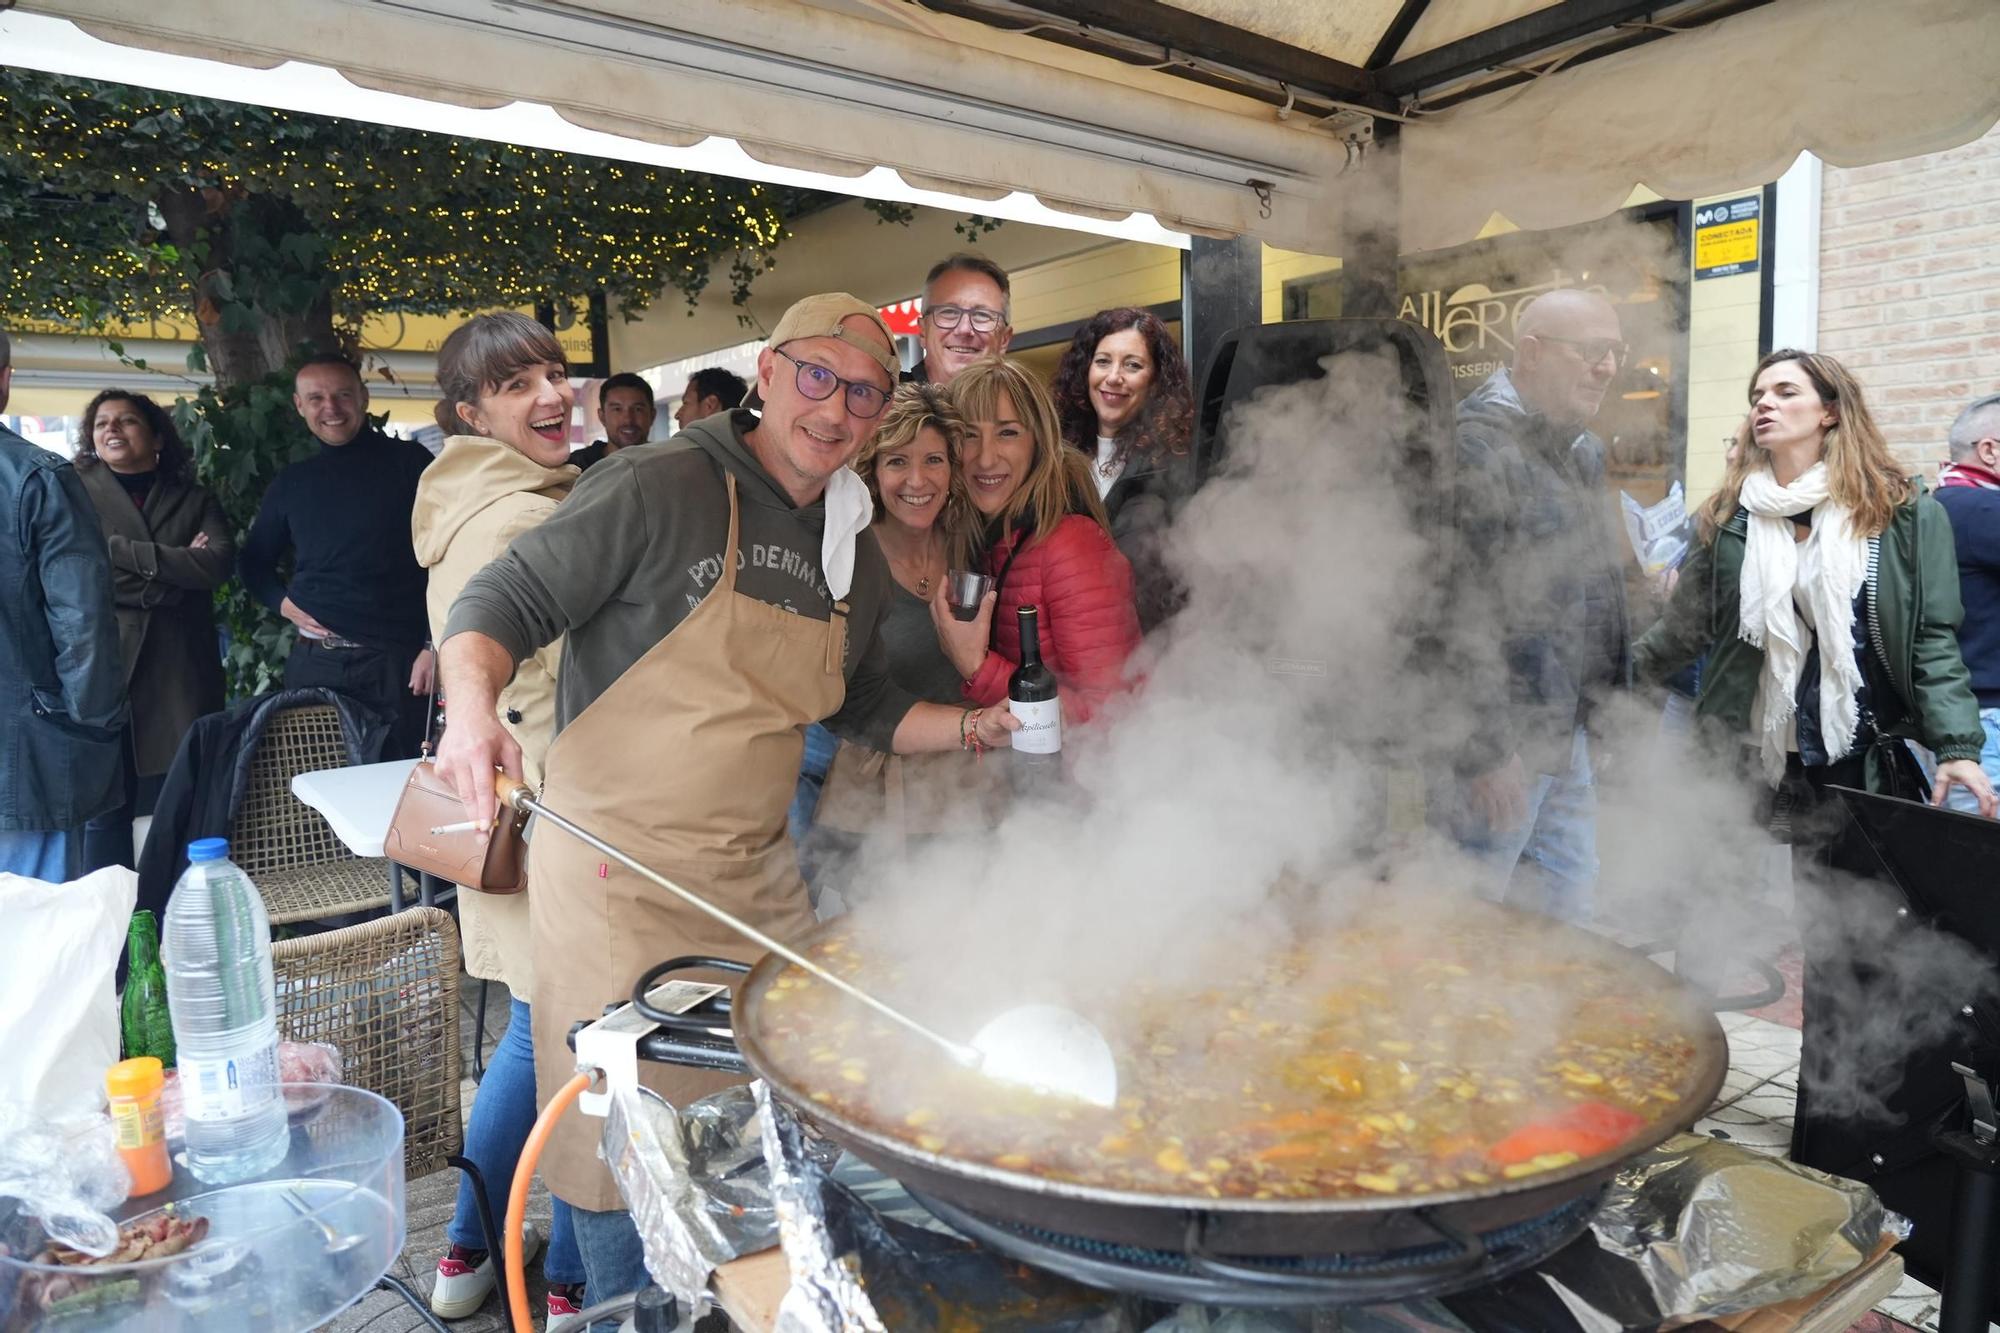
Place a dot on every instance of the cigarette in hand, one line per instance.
(465, 826)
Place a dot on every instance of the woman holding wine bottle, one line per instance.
(1043, 537)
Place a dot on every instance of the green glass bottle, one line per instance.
(144, 1022)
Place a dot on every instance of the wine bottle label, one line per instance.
(216, 1089)
(1041, 726)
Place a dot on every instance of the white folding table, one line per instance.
(357, 803)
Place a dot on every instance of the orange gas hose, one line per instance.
(517, 1197)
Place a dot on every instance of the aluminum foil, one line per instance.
(1697, 1228)
(695, 1182)
(1716, 1229)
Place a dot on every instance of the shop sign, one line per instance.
(1727, 237)
(904, 318)
(1471, 297)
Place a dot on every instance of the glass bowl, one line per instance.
(284, 1251)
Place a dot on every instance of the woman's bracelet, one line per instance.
(968, 732)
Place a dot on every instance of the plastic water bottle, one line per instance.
(217, 950)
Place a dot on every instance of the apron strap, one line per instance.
(836, 637)
(728, 584)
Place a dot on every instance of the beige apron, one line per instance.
(687, 763)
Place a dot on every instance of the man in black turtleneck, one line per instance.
(356, 592)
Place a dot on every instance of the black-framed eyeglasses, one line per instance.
(948, 317)
(818, 383)
(1594, 350)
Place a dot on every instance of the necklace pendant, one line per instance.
(924, 586)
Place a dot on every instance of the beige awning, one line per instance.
(880, 97)
(1721, 108)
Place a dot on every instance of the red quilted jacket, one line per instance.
(1081, 588)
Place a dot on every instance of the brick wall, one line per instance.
(1910, 287)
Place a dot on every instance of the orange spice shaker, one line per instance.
(134, 1088)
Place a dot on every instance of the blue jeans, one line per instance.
(502, 1115)
(820, 747)
(1549, 863)
(36, 853)
(1989, 759)
(614, 1259)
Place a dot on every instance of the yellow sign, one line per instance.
(1727, 238)
(1733, 244)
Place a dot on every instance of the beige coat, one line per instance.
(476, 498)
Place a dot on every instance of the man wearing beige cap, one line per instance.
(716, 599)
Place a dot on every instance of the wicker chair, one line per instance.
(385, 993)
(286, 847)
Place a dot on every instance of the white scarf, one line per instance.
(849, 510)
(1770, 620)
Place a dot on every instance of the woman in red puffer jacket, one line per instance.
(1047, 545)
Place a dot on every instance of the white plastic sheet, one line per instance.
(58, 1008)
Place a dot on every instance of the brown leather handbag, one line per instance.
(498, 864)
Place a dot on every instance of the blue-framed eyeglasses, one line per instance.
(818, 383)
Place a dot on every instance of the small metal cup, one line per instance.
(965, 589)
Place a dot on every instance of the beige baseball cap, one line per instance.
(826, 316)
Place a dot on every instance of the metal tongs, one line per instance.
(1045, 1047)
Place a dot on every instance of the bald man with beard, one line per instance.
(1538, 624)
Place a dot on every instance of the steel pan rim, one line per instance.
(1703, 1029)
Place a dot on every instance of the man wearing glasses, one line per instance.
(716, 599)
(965, 316)
(1537, 604)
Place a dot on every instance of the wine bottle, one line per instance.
(1031, 697)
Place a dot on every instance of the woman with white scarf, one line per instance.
(1824, 593)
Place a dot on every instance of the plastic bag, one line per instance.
(58, 1006)
(299, 1062)
(68, 1174)
(1660, 533)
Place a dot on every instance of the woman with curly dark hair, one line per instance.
(1124, 399)
(171, 545)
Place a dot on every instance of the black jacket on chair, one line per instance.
(62, 686)
(204, 788)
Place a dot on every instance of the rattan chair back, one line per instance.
(275, 830)
(385, 993)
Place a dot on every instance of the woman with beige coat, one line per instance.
(503, 469)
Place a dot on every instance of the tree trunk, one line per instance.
(262, 291)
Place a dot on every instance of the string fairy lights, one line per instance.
(389, 220)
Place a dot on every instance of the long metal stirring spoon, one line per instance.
(1040, 1046)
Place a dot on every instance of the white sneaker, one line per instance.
(564, 1304)
(465, 1278)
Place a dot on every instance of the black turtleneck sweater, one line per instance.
(344, 514)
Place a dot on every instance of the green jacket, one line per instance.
(1916, 678)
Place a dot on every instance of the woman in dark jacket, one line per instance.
(1123, 397)
(171, 545)
(1827, 583)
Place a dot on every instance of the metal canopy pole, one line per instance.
(1222, 288)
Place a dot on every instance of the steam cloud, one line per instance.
(1290, 722)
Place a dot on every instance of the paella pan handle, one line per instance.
(704, 1017)
(1468, 1252)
